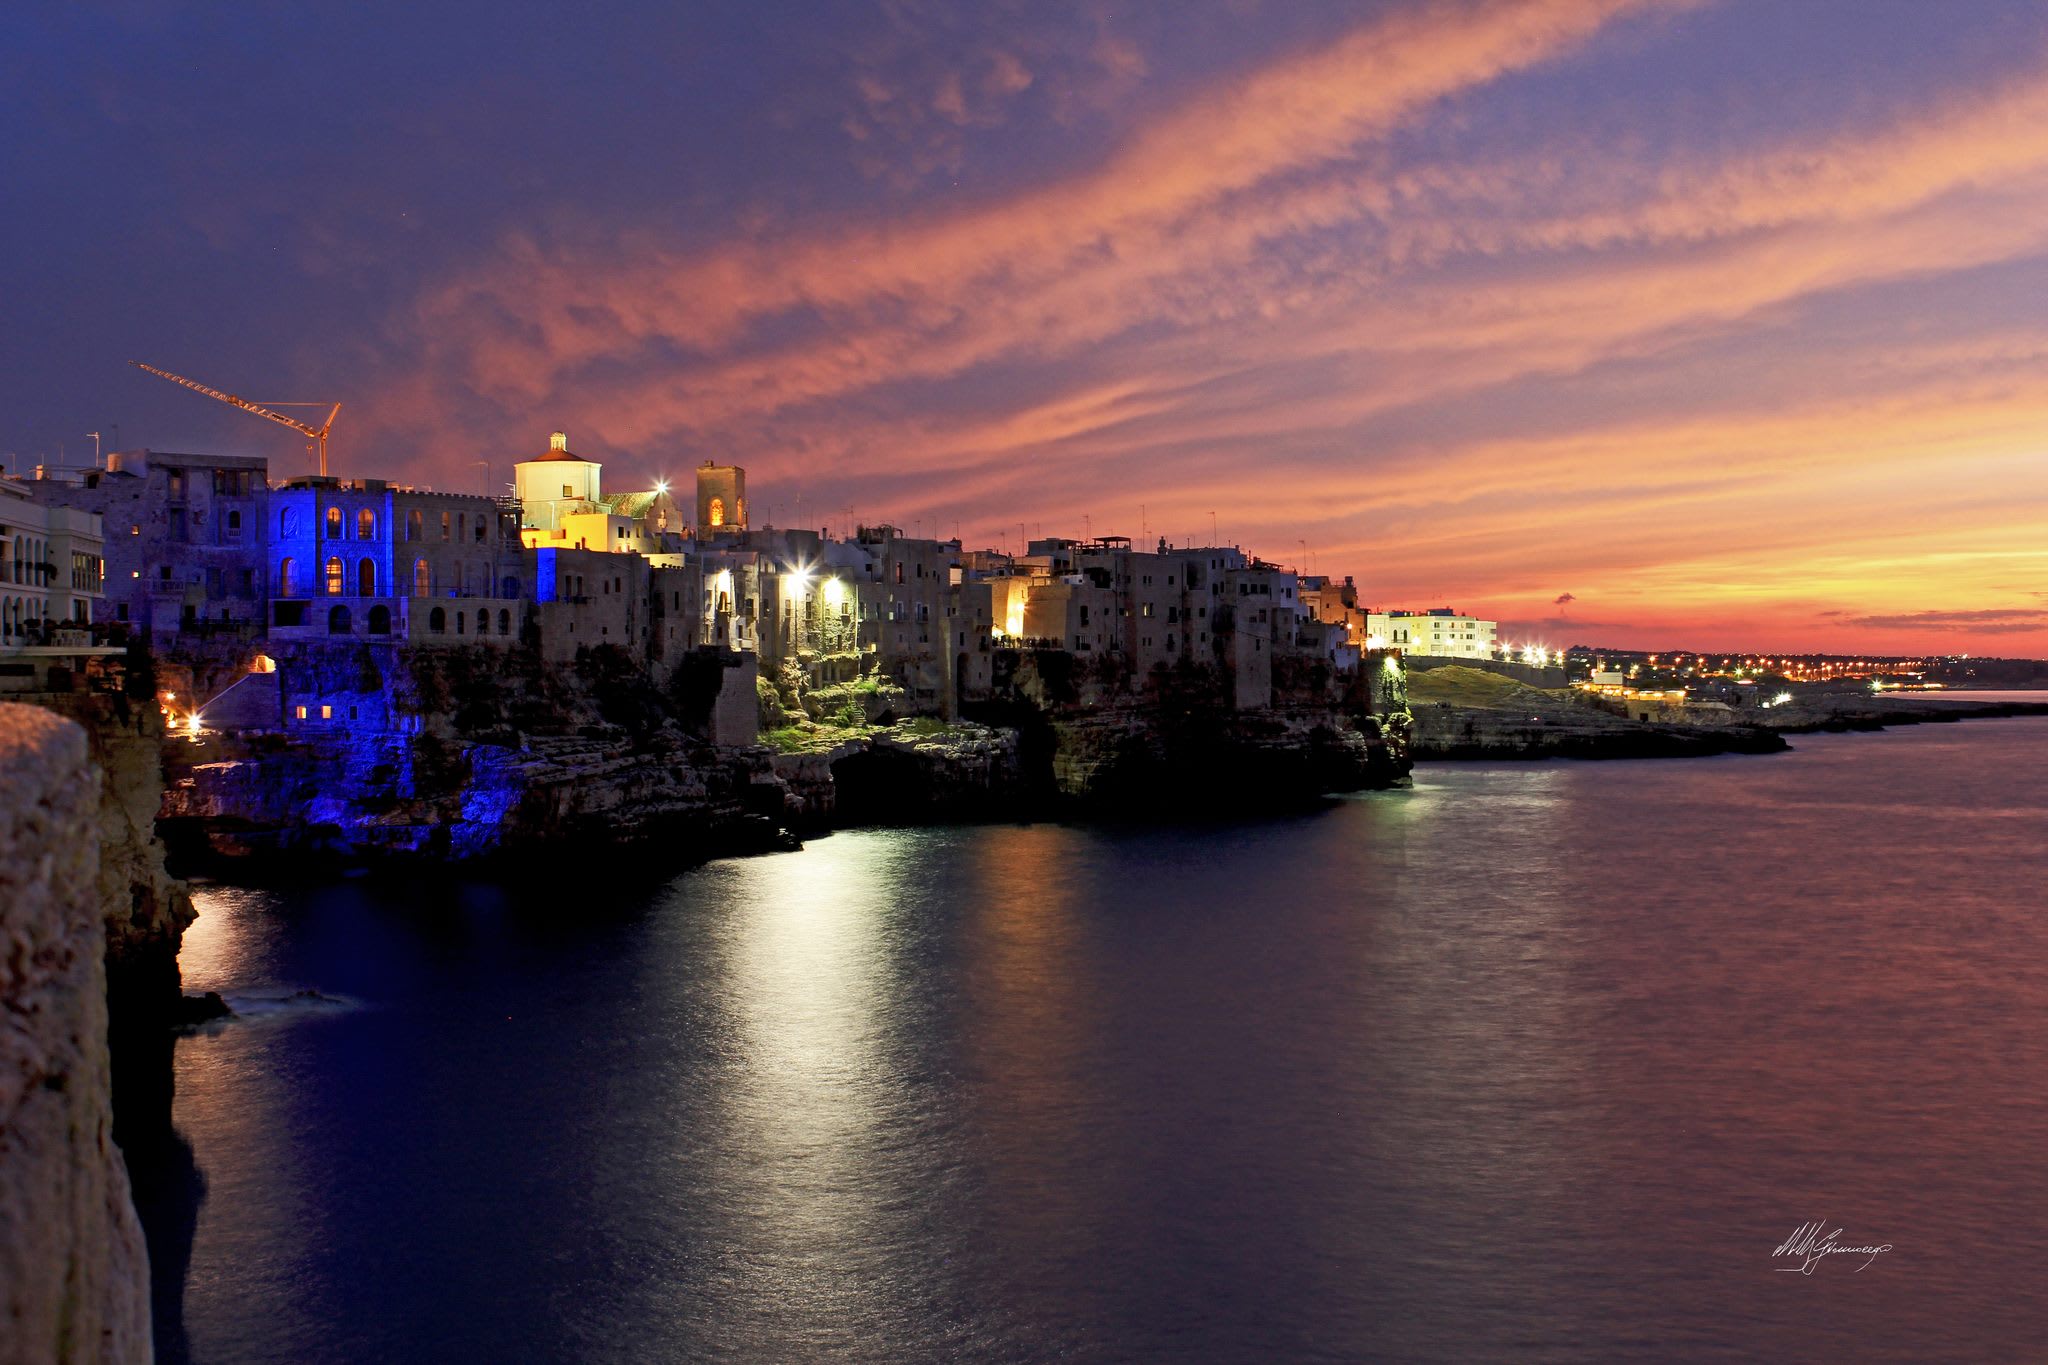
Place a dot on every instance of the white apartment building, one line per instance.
(1440, 633)
(52, 565)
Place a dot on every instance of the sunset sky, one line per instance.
(1624, 321)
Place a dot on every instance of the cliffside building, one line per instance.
(365, 558)
(184, 539)
(1438, 633)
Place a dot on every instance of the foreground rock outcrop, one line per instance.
(74, 1280)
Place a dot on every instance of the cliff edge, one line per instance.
(74, 1279)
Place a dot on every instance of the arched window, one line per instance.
(334, 523)
(380, 620)
(509, 587)
(366, 525)
(461, 622)
(366, 577)
(337, 620)
(288, 577)
(504, 622)
(412, 524)
(334, 575)
(717, 516)
(437, 621)
(461, 525)
(288, 522)
(478, 533)
(444, 526)
(422, 579)
(483, 621)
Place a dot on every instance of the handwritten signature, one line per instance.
(1814, 1243)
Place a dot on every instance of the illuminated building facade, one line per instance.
(1440, 633)
(721, 498)
(51, 566)
(363, 558)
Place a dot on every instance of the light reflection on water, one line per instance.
(1532, 1061)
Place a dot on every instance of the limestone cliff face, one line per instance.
(1444, 731)
(74, 1281)
(1127, 754)
(145, 910)
(958, 772)
(1180, 744)
(483, 755)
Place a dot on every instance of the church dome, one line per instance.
(558, 449)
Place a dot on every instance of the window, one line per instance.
(334, 575)
(504, 622)
(288, 577)
(366, 578)
(334, 523)
(300, 712)
(422, 579)
(366, 525)
(327, 713)
(437, 621)
(444, 526)
(479, 532)
(338, 620)
(483, 621)
(413, 529)
(568, 490)
(717, 513)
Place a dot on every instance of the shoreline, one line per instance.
(1490, 734)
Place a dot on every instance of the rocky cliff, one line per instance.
(74, 1282)
(482, 754)
(473, 754)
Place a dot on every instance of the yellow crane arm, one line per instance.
(318, 433)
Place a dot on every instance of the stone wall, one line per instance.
(74, 1280)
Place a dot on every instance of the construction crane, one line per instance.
(318, 433)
